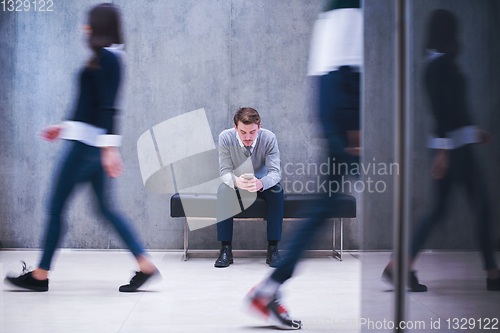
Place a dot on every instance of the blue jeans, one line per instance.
(274, 198)
(83, 164)
(338, 113)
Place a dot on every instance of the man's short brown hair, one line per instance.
(247, 116)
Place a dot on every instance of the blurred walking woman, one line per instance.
(454, 158)
(94, 149)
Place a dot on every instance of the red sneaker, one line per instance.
(269, 308)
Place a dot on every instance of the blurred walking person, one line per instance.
(454, 159)
(336, 59)
(94, 151)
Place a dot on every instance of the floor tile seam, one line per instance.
(132, 310)
(439, 316)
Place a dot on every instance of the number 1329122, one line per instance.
(27, 5)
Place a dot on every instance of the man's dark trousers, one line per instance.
(274, 199)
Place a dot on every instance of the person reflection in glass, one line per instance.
(454, 159)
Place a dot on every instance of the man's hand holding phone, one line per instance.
(247, 181)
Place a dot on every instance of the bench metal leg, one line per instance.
(186, 238)
(341, 238)
(334, 237)
(337, 254)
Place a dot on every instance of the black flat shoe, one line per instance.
(413, 284)
(27, 281)
(387, 277)
(225, 257)
(137, 281)
(273, 256)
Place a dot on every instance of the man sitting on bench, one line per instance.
(236, 145)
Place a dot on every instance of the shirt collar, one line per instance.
(116, 49)
(433, 54)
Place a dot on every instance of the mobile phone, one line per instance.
(248, 176)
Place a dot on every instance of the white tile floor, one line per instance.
(196, 297)
(457, 289)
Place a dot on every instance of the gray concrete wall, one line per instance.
(7, 52)
(181, 56)
(377, 120)
(221, 55)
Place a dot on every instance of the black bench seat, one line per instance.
(344, 207)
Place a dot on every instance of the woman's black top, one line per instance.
(446, 88)
(98, 91)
